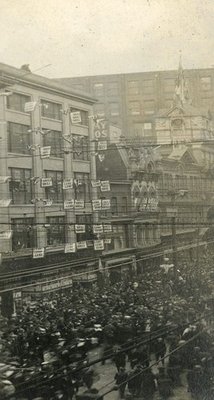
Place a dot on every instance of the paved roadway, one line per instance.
(107, 372)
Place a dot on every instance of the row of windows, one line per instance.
(117, 207)
(134, 108)
(148, 86)
(195, 185)
(21, 186)
(20, 140)
(24, 234)
(17, 101)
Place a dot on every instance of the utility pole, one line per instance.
(173, 230)
(174, 194)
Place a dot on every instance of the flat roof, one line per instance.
(13, 75)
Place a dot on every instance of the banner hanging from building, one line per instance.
(39, 253)
(70, 247)
(98, 244)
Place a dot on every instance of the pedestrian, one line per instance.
(121, 380)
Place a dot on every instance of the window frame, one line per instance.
(24, 181)
(80, 147)
(24, 135)
(21, 96)
(58, 194)
(85, 183)
(46, 102)
(25, 222)
(59, 230)
(56, 150)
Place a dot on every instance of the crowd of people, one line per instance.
(158, 318)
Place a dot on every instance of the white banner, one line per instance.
(79, 204)
(102, 145)
(75, 117)
(46, 182)
(30, 106)
(98, 245)
(45, 152)
(68, 204)
(5, 235)
(80, 228)
(95, 184)
(106, 204)
(98, 228)
(5, 203)
(70, 247)
(96, 205)
(38, 253)
(81, 245)
(107, 228)
(68, 184)
(107, 241)
(105, 186)
(4, 179)
(47, 203)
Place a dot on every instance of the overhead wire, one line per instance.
(58, 279)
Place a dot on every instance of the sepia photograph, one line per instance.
(107, 200)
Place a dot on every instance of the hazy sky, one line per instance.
(88, 37)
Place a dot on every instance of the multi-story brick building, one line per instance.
(46, 165)
(132, 100)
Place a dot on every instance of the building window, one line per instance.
(133, 87)
(51, 110)
(169, 85)
(19, 138)
(86, 220)
(114, 109)
(134, 107)
(114, 207)
(206, 83)
(207, 102)
(149, 107)
(83, 116)
(54, 192)
(112, 89)
(55, 230)
(23, 233)
(120, 237)
(81, 186)
(17, 101)
(20, 186)
(80, 147)
(124, 206)
(148, 86)
(54, 139)
(103, 213)
(143, 129)
(98, 89)
(100, 109)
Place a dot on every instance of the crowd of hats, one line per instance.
(51, 338)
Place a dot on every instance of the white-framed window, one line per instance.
(134, 107)
(133, 87)
(98, 89)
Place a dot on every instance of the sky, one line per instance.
(95, 37)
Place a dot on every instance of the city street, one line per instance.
(106, 381)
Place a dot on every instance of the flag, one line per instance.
(181, 89)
